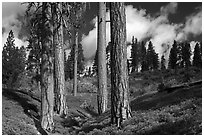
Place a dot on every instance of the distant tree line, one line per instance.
(144, 58)
(147, 59)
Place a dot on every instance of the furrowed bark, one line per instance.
(120, 109)
(59, 60)
(47, 80)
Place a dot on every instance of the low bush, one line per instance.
(161, 87)
(83, 86)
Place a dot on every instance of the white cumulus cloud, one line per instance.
(193, 24)
(10, 22)
(158, 29)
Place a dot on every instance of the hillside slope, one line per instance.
(14, 118)
(175, 113)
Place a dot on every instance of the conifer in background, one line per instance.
(152, 58)
(197, 57)
(13, 61)
(173, 56)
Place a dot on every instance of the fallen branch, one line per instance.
(185, 85)
(84, 114)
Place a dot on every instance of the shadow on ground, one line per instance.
(30, 109)
(182, 127)
(158, 100)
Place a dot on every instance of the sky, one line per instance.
(160, 22)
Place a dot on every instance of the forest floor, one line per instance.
(15, 119)
(179, 112)
(153, 113)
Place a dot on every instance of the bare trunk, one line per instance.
(38, 80)
(47, 93)
(75, 64)
(47, 80)
(59, 61)
(120, 109)
(101, 47)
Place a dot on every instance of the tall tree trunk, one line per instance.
(120, 109)
(47, 80)
(102, 70)
(59, 59)
(75, 63)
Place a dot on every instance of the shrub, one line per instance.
(83, 86)
(161, 87)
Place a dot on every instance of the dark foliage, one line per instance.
(163, 62)
(185, 55)
(95, 63)
(135, 55)
(13, 61)
(173, 56)
(197, 56)
(152, 58)
(69, 63)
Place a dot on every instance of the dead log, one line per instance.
(185, 85)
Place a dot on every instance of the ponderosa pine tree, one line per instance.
(60, 100)
(47, 69)
(43, 22)
(120, 108)
(173, 58)
(197, 59)
(102, 96)
(41, 50)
